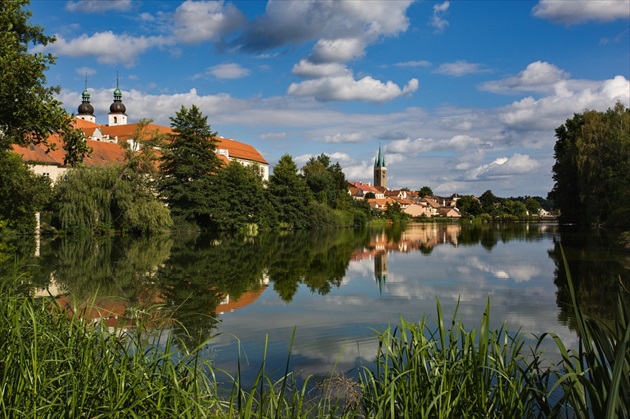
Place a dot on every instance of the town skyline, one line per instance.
(463, 96)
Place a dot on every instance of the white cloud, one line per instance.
(423, 145)
(343, 28)
(460, 68)
(572, 12)
(420, 63)
(569, 97)
(273, 135)
(98, 6)
(438, 21)
(346, 88)
(518, 164)
(539, 76)
(353, 137)
(337, 50)
(197, 21)
(85, 71)
(228, 71)
(308, 69)
(107, 47)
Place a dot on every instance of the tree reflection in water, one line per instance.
(195, 277)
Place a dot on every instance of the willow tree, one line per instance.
(98, 200)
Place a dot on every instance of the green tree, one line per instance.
(532, 206)
(327, 182)
(97, 200)
(425, 191)
(29, 111)
(289, 193)
(592, 170)
(488, 201)
(23, 193)
(189, 168)
(241, 198)
(469, 205)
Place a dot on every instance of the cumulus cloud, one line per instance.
(345, 27)
(308, 69)
(228, 71)
(353, 137)
(346, 88)
(438, 21)
(572, 12)
(98, 6)
(423, 145)
(85, 71)
(197, 21)
(517, 164)
(419, 63)
(568, 98)
(107, 47)
(337, 50)
(273, 135)
(539, 76)
(460, 68)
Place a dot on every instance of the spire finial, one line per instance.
(85, 80)
(116, 79)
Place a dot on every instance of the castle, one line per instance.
(104, 141)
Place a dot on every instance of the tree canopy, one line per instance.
(289, 193)
(29, 111)
(592, 169)
(189, 167)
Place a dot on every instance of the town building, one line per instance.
(105, 141)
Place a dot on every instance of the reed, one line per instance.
(595, 377)
(447, 371)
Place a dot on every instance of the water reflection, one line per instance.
(335, 286)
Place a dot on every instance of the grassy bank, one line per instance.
(55, 364)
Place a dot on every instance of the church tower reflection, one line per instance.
(380, 270)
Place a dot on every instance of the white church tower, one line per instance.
(117, 115)
(86, 110)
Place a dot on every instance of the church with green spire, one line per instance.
(380, 170)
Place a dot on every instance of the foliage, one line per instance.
(189, 168)
(425, 191)
(469, 205)
(97, 200)
(592, 169)
(75, 146)
(327, 182)
(29, 112)
(241, 199)
(23, 194)
(289, 194)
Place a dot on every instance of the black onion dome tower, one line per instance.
(117, 110)
(85, 110)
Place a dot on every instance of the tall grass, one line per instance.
(595, 377)
(447, 372)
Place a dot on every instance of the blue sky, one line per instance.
(463, 96)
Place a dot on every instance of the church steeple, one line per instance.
(86, 110)
(380, 170)
(117, 109)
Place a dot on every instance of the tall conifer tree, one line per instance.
(189, 167)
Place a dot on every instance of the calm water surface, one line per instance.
(337, 288)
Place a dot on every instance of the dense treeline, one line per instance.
(592, 169)
(489, 207)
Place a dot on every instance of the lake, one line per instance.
(336, 289)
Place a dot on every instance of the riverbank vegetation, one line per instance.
(56, 364)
